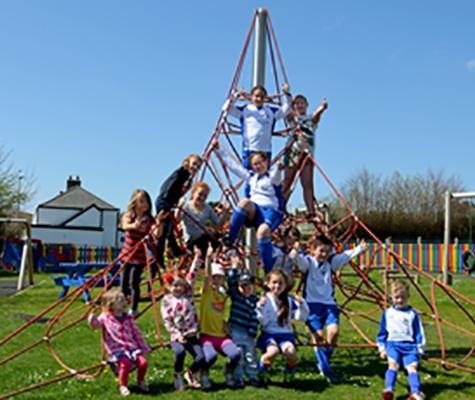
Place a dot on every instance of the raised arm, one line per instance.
(303, 262)
(319, 111)
(286, 104)
(230, 105)
(340, 260)
(275, 172)
(192, 273)
(234, 166)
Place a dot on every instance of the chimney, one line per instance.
(71, 182)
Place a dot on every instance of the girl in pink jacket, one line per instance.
(123, 340)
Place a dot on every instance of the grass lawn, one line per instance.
(361, 371)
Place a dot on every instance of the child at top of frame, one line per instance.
(275, 310)
(280, 251)
(263, 207)
(171, 191)
(136, 222)
(214, 336)
(257, 120)
(301, 142)
(401, 340)
(123, 340)
(243, 322)
(319, 293)
(195, 216)
(181, 321)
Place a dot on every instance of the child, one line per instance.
(300, 147)
(280, 252)
(214, 337)
(401, 340)
(136, 222)
(263, 208)
(181, 321)
(172, 189)
(258, 120)
(123, 340)
(243, 322)
(319, 294)
(275, 310)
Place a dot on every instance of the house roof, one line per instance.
(78, 198)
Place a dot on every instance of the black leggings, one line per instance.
(130, 282)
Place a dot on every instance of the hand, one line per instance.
(136, 224)
(209, 251)
(293, 254)
(363, 245)
(280, 165)
(240, 92)
(323, 106)
(181, 340)
(262, 302)
(383, 354)
(285, 88)
(298, 299)
(181, 202)
(235, 261)
(215, 144)
(197, 256)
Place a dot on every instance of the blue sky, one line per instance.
(119, 92)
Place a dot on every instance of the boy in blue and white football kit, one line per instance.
(319, 294)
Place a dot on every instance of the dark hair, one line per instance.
(291, 231)
(322, 240)
(299, 97)
(259, 87)
(284, 307)
(257, 153)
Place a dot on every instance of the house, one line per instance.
(76, 217)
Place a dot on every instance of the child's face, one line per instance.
(142, 205)
(300, 107)
(118, 308)
(399, 297)
(217, 281)
(177, 288)
(258, 97)
(259, 165)
(322, 252)
(289, 241)
(276, 284)
(193, 165)
(246, 290)
(200, 195)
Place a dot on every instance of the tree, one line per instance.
(404, 206)
(11, 194)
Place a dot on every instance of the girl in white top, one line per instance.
(257, 120)
(275, 311)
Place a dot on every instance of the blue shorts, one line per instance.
(403, 353)
(322, 315)
(247, 153)
(268, 215)
(274, 338)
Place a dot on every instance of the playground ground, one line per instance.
(361, 371)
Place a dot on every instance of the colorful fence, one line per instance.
(56, 253)
(428, 257)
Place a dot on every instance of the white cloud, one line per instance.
(471, 65)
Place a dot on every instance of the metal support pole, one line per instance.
(446, 238)
(258, 78)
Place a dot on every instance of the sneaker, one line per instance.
(205, 382)
(239, 383)
(124, 391)
(143, 387)
(191, 380)
(254, 382)
(416, 396)
(178, 380)
(388, 394)
(228, 377)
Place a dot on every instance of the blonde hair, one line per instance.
(200, 185)
(134, 199)
(398, 285)
(111, 297)
(187, 160)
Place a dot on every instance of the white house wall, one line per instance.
(91, 217)
(68, 236)
(54, 216)
(109, 224)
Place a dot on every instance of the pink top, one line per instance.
(179, 313)
(120, 335)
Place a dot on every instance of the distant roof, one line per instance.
(77, 197)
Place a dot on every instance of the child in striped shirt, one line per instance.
(243, 322)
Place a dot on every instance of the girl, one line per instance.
(195, 217)
(123, 340)
(299, 147)
(181, 321)
(263, 208)
(257, 120)
(214, 336)
(136, 222)
(171, 191)
(275, 311)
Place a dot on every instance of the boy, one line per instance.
(319, 294)
(243, 322)
(401, 340)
